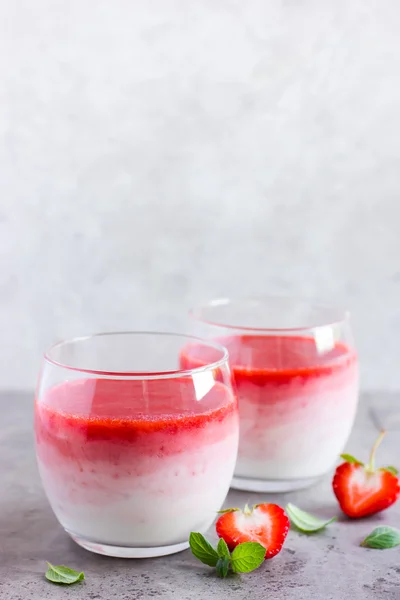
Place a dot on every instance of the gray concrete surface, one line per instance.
(157, 153)
(327, 566)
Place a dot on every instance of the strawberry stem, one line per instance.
(371, 464)
(247, 510)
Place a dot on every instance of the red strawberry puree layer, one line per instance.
(137, 463)
(296, 403)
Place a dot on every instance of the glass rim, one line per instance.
(196, 313)
(139, 375)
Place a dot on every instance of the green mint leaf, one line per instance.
(222, 566)
(382, 538)
(247, 556)
(203, 549)
(63, 575)
(350, 459)
(304, 521)
(223, 550)
(391, 470)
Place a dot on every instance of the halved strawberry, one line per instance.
(361, 489)
(266, 524)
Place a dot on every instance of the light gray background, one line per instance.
(155, 153)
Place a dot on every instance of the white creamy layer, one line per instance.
(303, 445)
(163, 507)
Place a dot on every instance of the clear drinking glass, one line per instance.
(134, 450)
(296, 373)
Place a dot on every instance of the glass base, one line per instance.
(272, 485)
(126, 552)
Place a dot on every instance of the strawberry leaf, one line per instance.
(304, 521)
(247, 556)
(202, 549)
(222, 567)
(223, 550)
(63, 575)
(382, 538)
(227, 510)
(350, 459)
(391, 470)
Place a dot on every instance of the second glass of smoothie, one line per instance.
(296, 374)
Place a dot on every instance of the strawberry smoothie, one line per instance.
(297, 404)
(136, 463)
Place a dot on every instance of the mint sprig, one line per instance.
(203, 549)
(63, 575)
(304, 521)
(222, 549)
(381, 538)
(245, 557)
(222, 567)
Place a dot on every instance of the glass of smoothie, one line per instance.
(134, 450)
(296, 374)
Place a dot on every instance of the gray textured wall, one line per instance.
(154, 153)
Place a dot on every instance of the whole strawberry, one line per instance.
(266, 524)
(361, 489)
